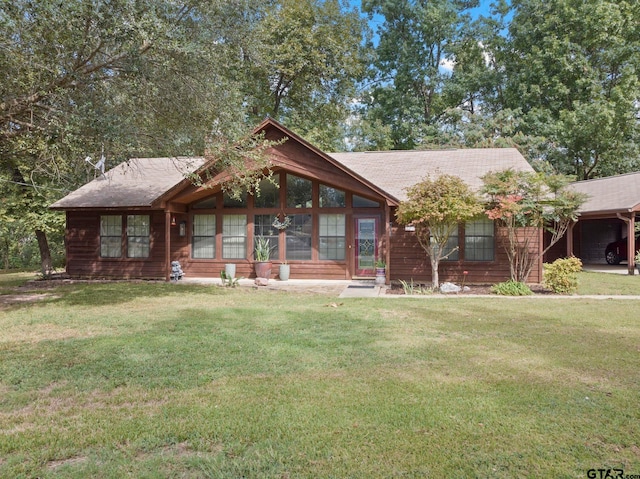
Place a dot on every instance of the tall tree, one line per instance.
(306, 68)
(416, 43)
(571, 67)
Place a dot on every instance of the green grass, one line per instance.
(162, 380)
(608, 283)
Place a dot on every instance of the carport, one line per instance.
(608, 214)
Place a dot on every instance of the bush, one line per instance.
(561, 275)
(511, 288)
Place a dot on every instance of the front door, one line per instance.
(366, 246)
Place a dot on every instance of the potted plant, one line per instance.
(285, 270)
(262, 256)
(381, 271)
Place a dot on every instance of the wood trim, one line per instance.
(167, 245)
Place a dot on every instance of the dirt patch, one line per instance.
(65, 462)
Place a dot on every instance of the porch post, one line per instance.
(631, 244)
(570, 239)
(167, 245)
(387, 238)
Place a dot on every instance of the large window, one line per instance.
(299, 192)
(361, 202)
(332, 237)
(138, 240)
(299, 237)
(234, 236)
(269, 194)
(229, 201)
(479, 244)
(111, 236)
(262, 226)
(204, 236)
(331, 197)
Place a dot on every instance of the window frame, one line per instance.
(210, 237)
(119, 236)
(136, 240)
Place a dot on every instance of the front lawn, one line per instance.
(162, 380)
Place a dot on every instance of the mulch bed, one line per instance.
(473, 289)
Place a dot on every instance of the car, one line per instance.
(617, 251)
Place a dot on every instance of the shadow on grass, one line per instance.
(113, 293)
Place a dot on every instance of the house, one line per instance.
(330, 217)
(607, 215)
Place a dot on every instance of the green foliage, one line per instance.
(435, 207)
(524, 202)
(572, 69)
(511, 288)
(229, 281)
(561, 275)
(262, 249)
(410, 288)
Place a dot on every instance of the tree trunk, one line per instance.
(45, 254)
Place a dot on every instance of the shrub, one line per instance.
(511, 288)
(561, 275)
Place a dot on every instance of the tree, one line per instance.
(435, 207)
(525, 202)
(305, 70)
(416, 40)
(571, 67)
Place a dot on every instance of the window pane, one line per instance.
(110, 246)
(360, 202)
(262, 226)
(298, 192)
(138, 230)
(229, 202)
(111, 236)
(479, 244)
(299, 237)
(452, 243)
(332, 244)
(269, 195)
(331, 197)
(234, 236)
(206, 204)
(204, 236)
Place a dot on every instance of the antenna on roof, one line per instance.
(100, 165)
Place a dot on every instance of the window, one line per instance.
(479, 241)
(331, 197)
(262, 226)
(206, 204)
(269, 194)
(360, 202)
(138, 231)
(299, 192)
(204, 236)
(111, 236)
(332, 237)
(234, 236)
(453, 243)
(230, 202)
(299, 237)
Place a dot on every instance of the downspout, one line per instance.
(631, 241)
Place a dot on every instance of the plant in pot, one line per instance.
(381, 271)
(262, 256)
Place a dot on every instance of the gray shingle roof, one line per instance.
(135, 183)
(394, 171)
(614, 193)
(140, 181)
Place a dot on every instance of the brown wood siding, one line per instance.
(83, 248)
(409, 261)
